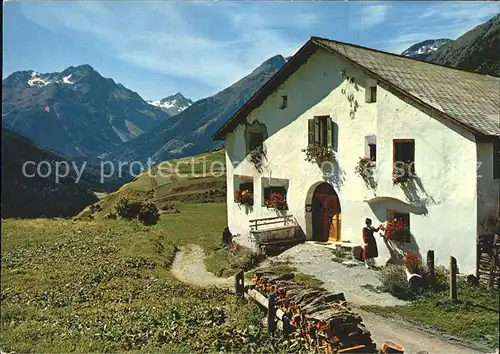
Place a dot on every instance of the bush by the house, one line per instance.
(128, 209)
(149, 214)
(226, 262)
(244, 258)
(394, 281)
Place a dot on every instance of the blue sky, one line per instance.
(198, 48)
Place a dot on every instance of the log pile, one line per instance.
(320, 320)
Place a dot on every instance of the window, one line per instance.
(404, 152)
(243, 194)
(400, 215)
(255, 140)
(496, 158)
(323, 132)
(373, 152)
(271, 186)
(284, 102)
(372, 94)
(255, 134)
(246, 186)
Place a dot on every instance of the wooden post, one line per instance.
(271, 313)
(431, 268)
(239, 284)
(453, 278)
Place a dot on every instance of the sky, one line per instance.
(198, 48)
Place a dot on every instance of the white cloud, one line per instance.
(164, 37)
(373, 15)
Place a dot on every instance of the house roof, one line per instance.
(467, 98)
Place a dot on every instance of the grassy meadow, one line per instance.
(105, 285)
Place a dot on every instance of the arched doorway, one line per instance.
(326, 219)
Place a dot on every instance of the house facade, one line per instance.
(435, 127)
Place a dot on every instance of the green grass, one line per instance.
(474, 318)
(105, 286)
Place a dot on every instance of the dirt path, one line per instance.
(189, 267)
(411, 339)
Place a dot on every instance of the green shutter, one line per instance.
(310, 130)
(316, 130)
(329, 137)
(335, 136)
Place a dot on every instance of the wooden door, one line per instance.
(326, 214)
(335, 228)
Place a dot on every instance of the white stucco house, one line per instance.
(359, 102)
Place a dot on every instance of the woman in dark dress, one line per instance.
(370, 250)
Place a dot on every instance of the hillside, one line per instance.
(477, 49)
(38, 197)
(185, 180)
(76, 112)
(189, 132)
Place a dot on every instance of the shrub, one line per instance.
(148, 214)
(226, 262)
(244, 258)
(127, 209)
(394, 281)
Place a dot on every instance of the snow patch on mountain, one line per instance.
(66, 80)
(173, 104)
(37, 80)
(423, 49)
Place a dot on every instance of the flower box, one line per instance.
(318, 154)
(244, 197)
(403, 172)
(276, 201)
(396, 230)
(364, 168)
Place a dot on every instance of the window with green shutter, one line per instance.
(323, 131)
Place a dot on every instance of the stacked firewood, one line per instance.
(320, 320)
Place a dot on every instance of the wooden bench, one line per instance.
(277, 233)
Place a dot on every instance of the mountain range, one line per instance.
(173, 104)
(189, 132)
(75, 112)
(476, 50)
